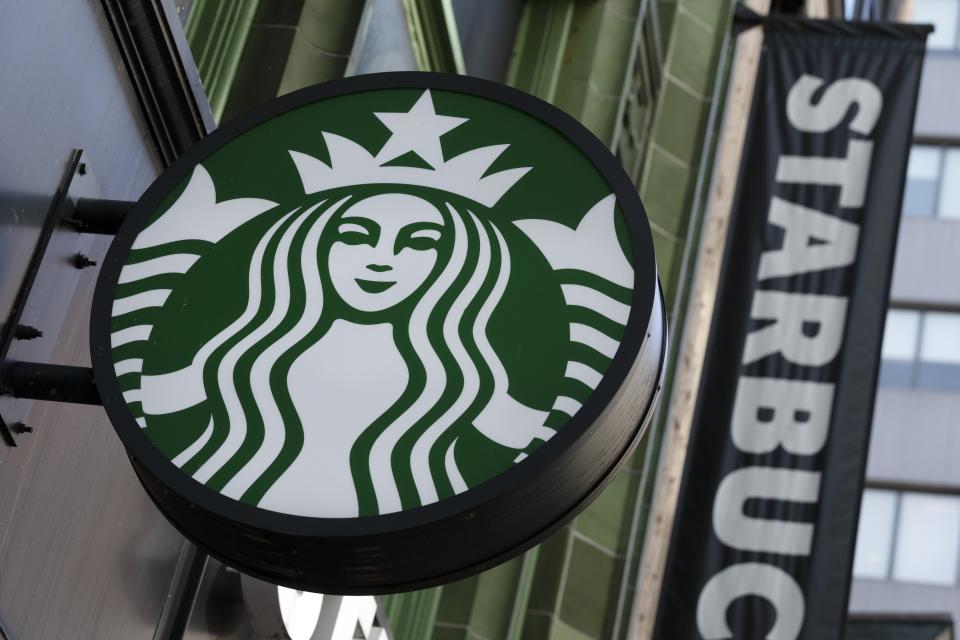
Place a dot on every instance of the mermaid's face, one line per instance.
(385, 248)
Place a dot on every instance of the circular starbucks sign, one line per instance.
(381, 333)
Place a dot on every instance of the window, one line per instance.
(933, 181)
(875, 534)
(944, 15)
(908, 537)
(899, 350)
(927, 536)
(921, 349)
(940, 351)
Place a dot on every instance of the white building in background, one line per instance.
(907, 561)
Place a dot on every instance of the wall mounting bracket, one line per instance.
(73, 205)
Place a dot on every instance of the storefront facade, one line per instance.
(83, 552)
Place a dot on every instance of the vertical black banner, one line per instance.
(763, 540)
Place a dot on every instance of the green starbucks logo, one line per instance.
(356, 346)
(381, 333)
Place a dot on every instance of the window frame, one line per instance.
(956, 34)
(942, 147)
(899, 490)
(917, 361)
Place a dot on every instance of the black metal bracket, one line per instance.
(73, 207)
(94, 215)
(55, 382)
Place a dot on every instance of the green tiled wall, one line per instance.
(595, 61)
(678, 130)
(250, 51)
(677, 144)
(579, 589)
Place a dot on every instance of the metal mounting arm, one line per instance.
(56, 382)
(72, 206)
(97, 215)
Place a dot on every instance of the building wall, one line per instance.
(83, 552)
(915, 439)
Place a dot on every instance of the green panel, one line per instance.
(592, 586)
(321, 48)
(411, 615)
(694, 66)
(709, 12)
(609, 70)
(538, 51)
(278, 14)
(669, 251)
(445, 632)
(593, 77)
(433, 33)
(579, 56)
(680, 127)
(457, 601)
(546, 582)
(522, 599)
(669, 193)
(600, 113)
(563, 631)
(666, 10)
(217, 31)
(494, 602)
(309, 64)
(537, 626)
(260, 70)
(607, 521)
(327, 24)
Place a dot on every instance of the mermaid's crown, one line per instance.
(418, 130)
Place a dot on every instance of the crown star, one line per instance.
(417, 130)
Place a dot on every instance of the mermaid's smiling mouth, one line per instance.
(374, 286)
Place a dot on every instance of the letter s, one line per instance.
(750, 579)
(834, 104)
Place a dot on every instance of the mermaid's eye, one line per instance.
(429, 234)
(421, 236)
(355, 233)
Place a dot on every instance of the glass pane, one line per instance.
(874, 534)
(487, 32)
(384, 46)
(927, 539)
(924, 162)
(941, 337)
(938, 376)
(923, 174)
(949, 205)
(897, 373)
(900, 334)
(940, 352)
(943, 14)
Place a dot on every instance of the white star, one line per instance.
(418, 130)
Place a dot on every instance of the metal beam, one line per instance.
(161, 69)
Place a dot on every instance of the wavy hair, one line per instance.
(405, 457)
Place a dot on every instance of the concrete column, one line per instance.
(696, 328)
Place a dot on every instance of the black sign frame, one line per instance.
(455, 537)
